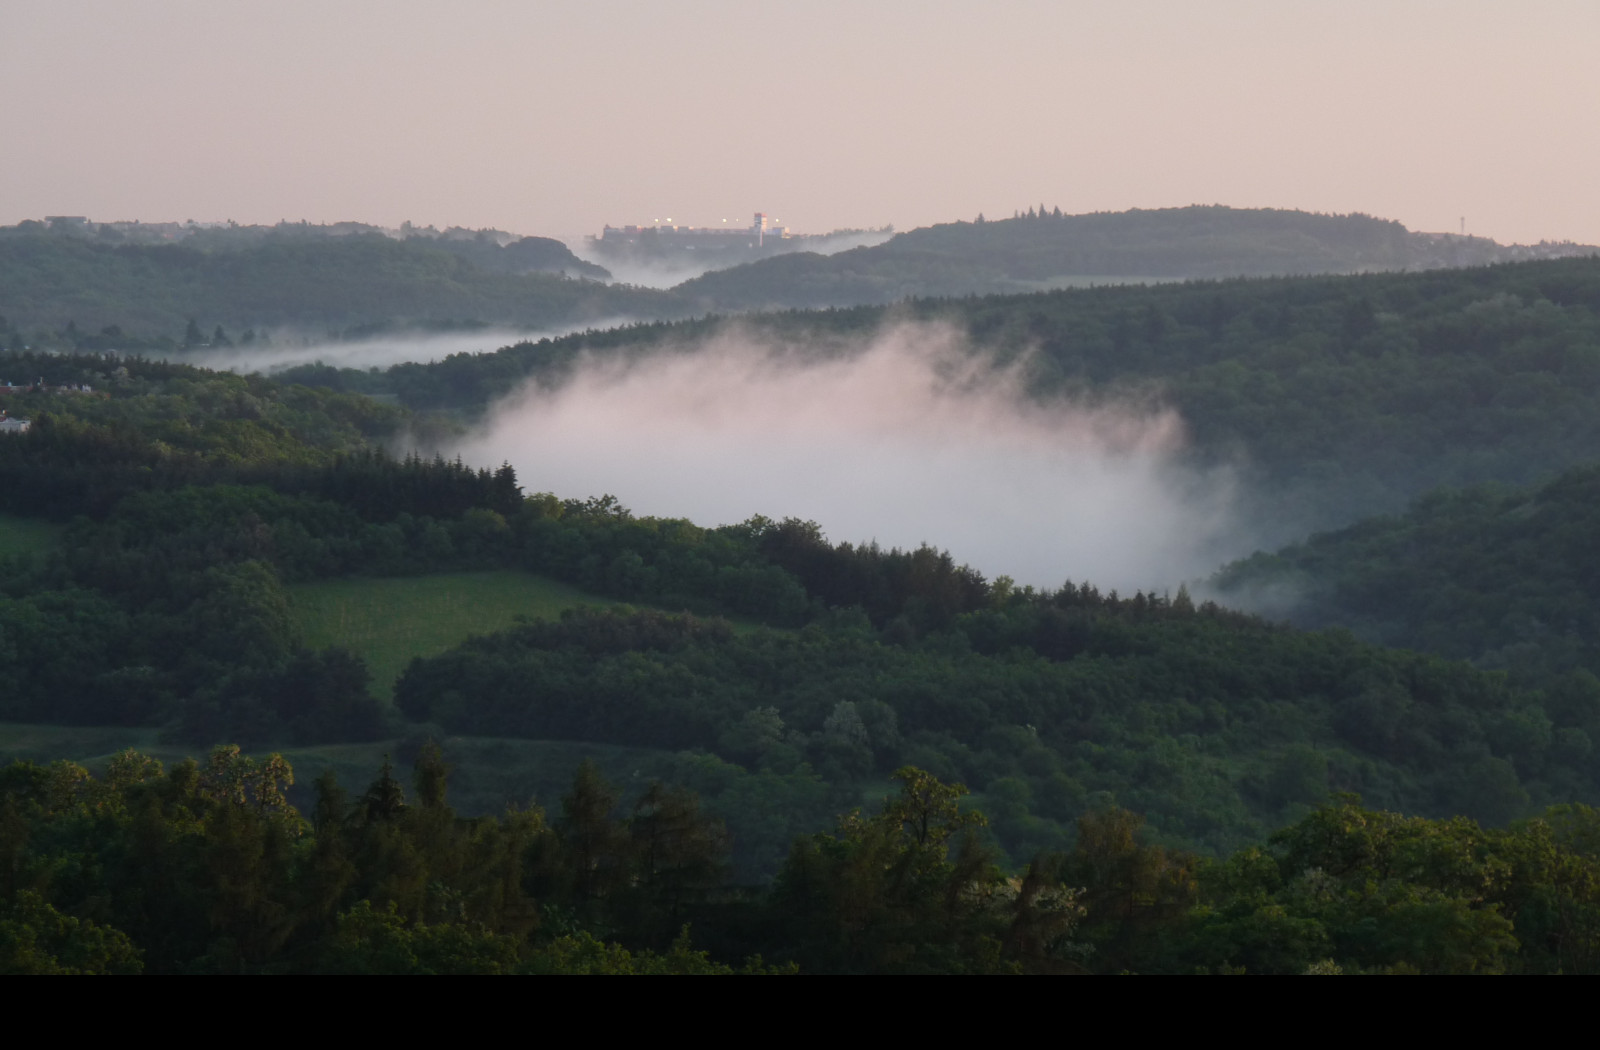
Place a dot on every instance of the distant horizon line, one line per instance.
(567, 237)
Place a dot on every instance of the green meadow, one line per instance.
(25, 535)
(390, 620)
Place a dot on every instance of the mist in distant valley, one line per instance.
(285, 351)
(905, 438)
(669, 271)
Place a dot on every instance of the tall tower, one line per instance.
(760, 228)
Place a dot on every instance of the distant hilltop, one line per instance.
(494, 251)
(133, 231)
(1043, 248)
(696, 249)
(95, 284)
(120, 285)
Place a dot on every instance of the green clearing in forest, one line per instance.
(25, 535)
(390, 620)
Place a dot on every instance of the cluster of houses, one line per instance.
(10, 425)
(7, 387)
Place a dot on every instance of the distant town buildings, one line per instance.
(756, 235)
(7, 387)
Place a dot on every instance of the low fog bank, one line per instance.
(671, 272)
(908, 438)
(834, 243)
(643, 273)
(289, 351)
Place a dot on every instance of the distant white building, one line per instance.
(13, 426)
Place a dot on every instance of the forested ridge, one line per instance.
(208, 869)
(790, 682)
(165, 604)
(286, 282)
(1042, 247)
(1334, 398)
(1504, 577)
(150, 281)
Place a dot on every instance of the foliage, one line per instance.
(1505, 578)
(36, 939)
(1331, 398)
(285, 280)
(1376, 892)
(189, 508)
(1043, 248)
(1216, 726)
(210, 870)
(391, 620)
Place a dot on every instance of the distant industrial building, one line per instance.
(689, 238)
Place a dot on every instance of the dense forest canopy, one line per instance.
(209, 869)
(284, 282)
(1505, 577)
(805, 709)
(1044, 248)
(150, 280)
(167, 606)
(1333, 397)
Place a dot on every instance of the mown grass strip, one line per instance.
(390, 620)
(25, 535)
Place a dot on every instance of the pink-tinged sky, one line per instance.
(556, 117)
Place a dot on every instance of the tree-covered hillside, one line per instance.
(288, 280)
(194, 499)
(186, 503)
(150, 280)
(1332, 397)
(207, 868)
(1506, 578)
(1044, 247)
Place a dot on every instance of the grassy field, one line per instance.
(25, 535)
(389, 620)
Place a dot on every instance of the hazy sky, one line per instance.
(556, 117)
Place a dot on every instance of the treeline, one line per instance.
(1506, 578)
(172, 610)
(210, 870)
(1216, 727)
(1333, 398)
(195, 497)
(166, 605)
(1041, 246)
(192, 497)
(302, 284)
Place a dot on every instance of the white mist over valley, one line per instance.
(669, 271)
(286, 350)
(902, 439)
